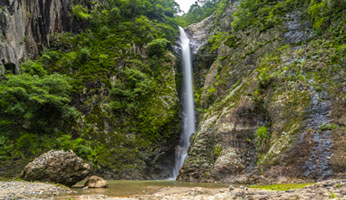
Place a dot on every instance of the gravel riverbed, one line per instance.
(13, 190)
(330, 189)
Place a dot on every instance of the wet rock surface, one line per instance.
(27, 190)
(199, 33)
(318, 163)
(304, 116)
(298, 30)
(228, 131)
(57, 166)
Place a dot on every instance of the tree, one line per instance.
(33, 104)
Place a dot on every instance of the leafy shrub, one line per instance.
(158, 47)
(62, 41)
(80, 12)
(320, 11)
(217, 151)
(317, 10)
(262, 138)
(34, 104)
(33, 68)
(232, 41)
(245, 14)
(127, 94)
(6, 148)
(80, 146)
(28, 144)
(216, 40)
(84, 54)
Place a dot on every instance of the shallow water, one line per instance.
(123, 188)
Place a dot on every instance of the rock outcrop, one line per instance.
(26, 27)
(242, 88)
(57, 166)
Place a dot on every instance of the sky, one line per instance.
(185, 4)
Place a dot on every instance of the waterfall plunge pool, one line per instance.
(128, 188)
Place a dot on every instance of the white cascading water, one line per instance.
(188, 109)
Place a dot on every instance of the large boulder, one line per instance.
(57, 166)
(96, 182)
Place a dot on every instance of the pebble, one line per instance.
(231, 187)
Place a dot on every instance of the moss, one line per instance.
(281, 187)
(264, 15)
(95, 117)
(217, 151)
(326, 126)
(5, 179)
(216, 40)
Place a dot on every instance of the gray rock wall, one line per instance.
(26, 27)
(245, 84)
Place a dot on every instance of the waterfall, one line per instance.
(188, 110)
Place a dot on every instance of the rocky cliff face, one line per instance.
(262, 118)
(134, 140)
(26, 27)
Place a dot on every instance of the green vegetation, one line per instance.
(107, 93)
(326, 126)
(216, 40)
(217, 151)
(333, 196)
(32, 110)
(80, 12)
(262, 138)
(320, 11)
(281, 187)
(197, 13)
(266, 14)
(30, 103)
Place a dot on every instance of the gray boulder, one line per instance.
(96, 182)
(57, 166)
